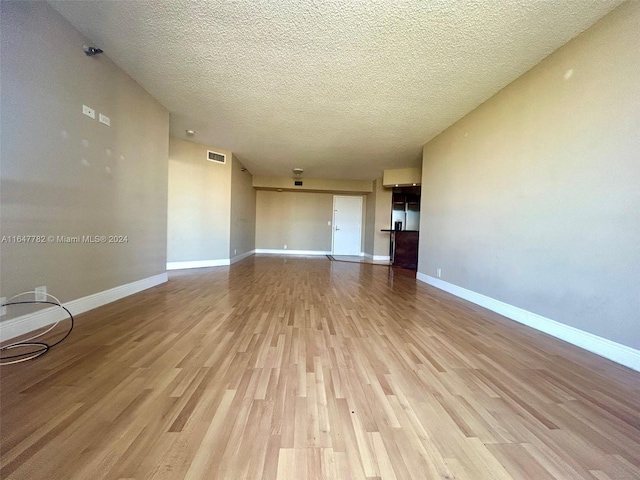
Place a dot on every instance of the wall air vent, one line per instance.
(297, 183)
(216, 157)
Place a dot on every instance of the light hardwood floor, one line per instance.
(303, 368)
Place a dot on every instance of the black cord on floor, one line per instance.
(42, 347)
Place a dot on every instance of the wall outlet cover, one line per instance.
(41, 294)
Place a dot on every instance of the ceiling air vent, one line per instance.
(216, 157)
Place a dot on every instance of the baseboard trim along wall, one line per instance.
(220, 262)
(198, 264)
(242, 256)
(622, 354)
(378, 258)
(15, 327)
(291, 252)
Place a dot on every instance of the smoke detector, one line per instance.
(298, 171)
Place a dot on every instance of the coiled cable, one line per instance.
(40, 347)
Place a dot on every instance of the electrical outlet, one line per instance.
(3, 310)
(235, 251)
(41, 294)
(439, 272)
(104, 119)
(88, 111)
(285, 247)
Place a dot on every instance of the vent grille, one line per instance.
(216, 157)
(297, 183)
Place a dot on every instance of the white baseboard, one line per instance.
(198, 264)
(378, 258)
(622, 354)
(242, 256)
(15, 327)
(291, 252)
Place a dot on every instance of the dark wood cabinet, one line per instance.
(406, 249)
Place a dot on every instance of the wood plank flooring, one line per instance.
(302, 369)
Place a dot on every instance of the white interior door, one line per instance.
(347, 225)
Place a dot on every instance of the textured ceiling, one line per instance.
(343, 89)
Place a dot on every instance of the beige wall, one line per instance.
(296, 219)
(299, 220)
(533, 199)
(378, 217)
(370, 221)
(64, 174)
(363, 223)
(243, 211)
(199, 223)
(383, 219)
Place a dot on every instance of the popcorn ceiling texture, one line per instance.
(343, 89)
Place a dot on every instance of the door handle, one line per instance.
(337, 229)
